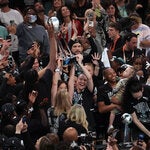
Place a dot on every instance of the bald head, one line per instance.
(70, 135)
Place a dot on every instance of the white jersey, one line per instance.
(13, 14)
(143, 32)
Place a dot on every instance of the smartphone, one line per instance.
(91, 23)
(35, 93)
(140, 138)
(114, 132)
(24, 119)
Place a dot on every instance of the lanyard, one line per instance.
(124, 55)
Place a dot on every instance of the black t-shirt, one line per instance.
(141, 107)
(127, 55)
(85, 98)
(44, 94)
(103, 94)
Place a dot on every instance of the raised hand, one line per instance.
(96, 58)
(32, 96)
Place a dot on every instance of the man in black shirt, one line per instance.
(129, 50)
(104, 101)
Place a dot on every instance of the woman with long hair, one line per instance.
(112, 12)
(76, 118)
(56, 5)
(59, 111)
(62, 102)
(68, 23)
(78, 115)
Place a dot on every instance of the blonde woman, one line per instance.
(76, 118)
(62, 103)
(59, 111)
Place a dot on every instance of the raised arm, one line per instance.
(71, 83)
(139, 124)
(90, 84)
(56, 77)
(53, 48)
(96, 58)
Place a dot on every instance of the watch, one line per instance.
(57, 70)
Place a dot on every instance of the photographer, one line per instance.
(82, 141)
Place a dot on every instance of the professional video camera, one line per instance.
(86, 140)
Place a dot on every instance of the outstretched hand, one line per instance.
(96, 58)
(50, 29)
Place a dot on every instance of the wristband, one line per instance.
(57, 70)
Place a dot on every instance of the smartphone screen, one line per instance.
(91, 24)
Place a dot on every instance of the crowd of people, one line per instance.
(69, 70)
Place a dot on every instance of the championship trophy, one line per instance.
(126, 119)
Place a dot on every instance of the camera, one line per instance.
(90, 17)
(85, 140)
(91, 23)
(69, 60)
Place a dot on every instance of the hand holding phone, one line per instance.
(34, 93)
(24, 119)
